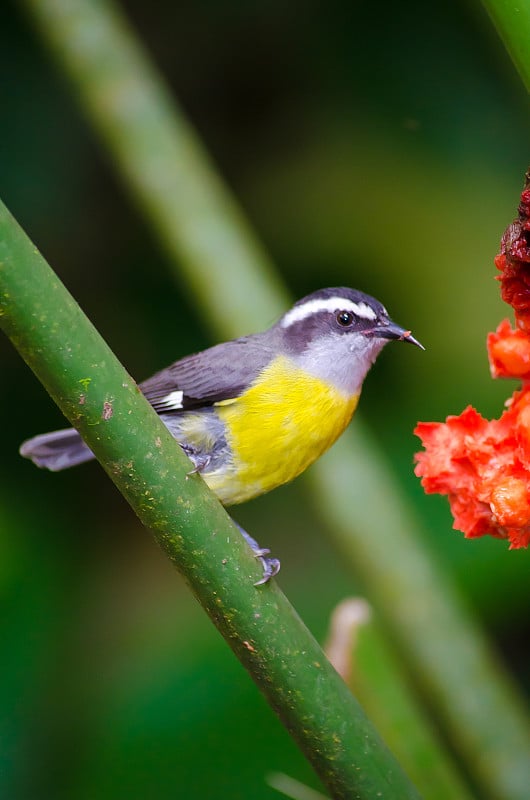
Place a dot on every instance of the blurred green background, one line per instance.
(374, 145)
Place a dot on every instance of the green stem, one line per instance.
(97, 395)
(159, 158)
(512, 20)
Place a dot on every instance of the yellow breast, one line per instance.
(276, 429)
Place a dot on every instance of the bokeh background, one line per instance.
(381, 146)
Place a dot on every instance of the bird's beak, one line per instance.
(393, 331)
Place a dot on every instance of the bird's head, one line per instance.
(336, 334)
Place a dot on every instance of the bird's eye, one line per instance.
(345, 318)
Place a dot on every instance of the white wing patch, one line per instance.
(305, 310)
(172, 401)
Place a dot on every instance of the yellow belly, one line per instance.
(275, 434)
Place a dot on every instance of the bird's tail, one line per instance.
(57, 450)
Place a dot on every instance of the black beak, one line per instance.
(390, 330)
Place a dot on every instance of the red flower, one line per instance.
(509, 352)
(484, 466)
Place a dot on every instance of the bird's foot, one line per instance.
(270, 566)
(199, 463)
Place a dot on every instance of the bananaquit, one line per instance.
(255, 412)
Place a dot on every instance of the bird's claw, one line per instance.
(271, 567)
(200, 462)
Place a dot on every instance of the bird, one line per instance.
(253, 413)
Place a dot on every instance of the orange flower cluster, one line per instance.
(484, 466)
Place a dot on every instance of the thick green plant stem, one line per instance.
(168, 174)
(98, 396)
(512, 20)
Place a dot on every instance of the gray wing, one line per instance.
(220, 373)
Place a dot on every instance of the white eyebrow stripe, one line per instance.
(305, 310)
(173, 400)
